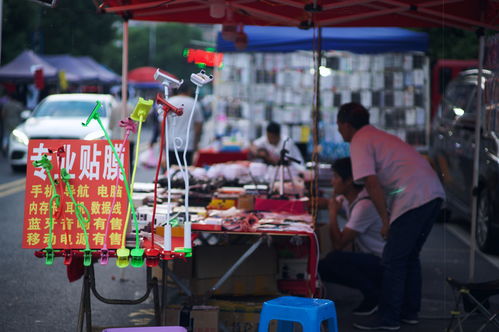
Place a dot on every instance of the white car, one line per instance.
(59, 116)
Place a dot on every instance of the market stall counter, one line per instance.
(206, 157)
(227, 201)
(81, 205)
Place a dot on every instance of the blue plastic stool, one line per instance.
(148, 329)
(310, 313)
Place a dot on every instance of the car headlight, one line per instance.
(94, 135)
(20, 137)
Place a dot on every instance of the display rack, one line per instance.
(279, 87)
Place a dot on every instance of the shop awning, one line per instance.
(463, 14)
(357, 40)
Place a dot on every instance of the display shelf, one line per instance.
(279, 87)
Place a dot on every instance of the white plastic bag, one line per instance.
(149, 158)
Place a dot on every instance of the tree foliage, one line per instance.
(72, 27)
(171, 40)
(17, 27)
(451, 43)
(75, 27)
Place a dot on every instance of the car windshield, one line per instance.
(67, 109)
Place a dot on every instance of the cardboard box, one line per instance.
(293, 268)
(255, 276)
(246, 202)
(258, 285)
(182, 269)
(214, 261)
(240, 316)
(195, 319)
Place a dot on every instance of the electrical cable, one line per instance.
(156, 177)
(104, 253)
(137, 253)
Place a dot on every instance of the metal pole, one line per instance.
(124, 70)
(1, 20)
(315, 127)
(476, 157)
(152, 42)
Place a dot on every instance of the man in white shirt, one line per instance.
(407, 194)
(360, 269)
(268, 147)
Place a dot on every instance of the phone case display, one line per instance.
(279, 87)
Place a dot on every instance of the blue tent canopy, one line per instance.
(104, 74)
(20, 69)
(357, 40)
(82, 70)
(76, 71)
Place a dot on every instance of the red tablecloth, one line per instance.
(210, 157)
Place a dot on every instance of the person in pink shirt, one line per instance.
(408, 195)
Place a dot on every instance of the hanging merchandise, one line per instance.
(123, 253)
(129, 126)
(38, 78)
(200, 79)
(79, 209)
(165, 109)
(56, 198)
(139, 114)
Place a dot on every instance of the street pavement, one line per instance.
(35, 297)
(444, 255)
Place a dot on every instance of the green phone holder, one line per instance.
(94, 115)
(187, 251)
(44, 162)
(87, 257)
(49, 256)
(137, 257)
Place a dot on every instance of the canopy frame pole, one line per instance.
(476, 156)
(124, 70)
(315, 127)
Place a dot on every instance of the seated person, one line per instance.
(268, 147)
(360, 269)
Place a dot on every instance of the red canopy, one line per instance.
(463, 14)
(143, 75)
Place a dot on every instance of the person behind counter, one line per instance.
(268, 147)
(407, 194)
(360, 269)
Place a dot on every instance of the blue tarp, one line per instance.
(357, 40)
(104, 74)
(78, 70)
(75, 72)
(21, 68)
(82, 70)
